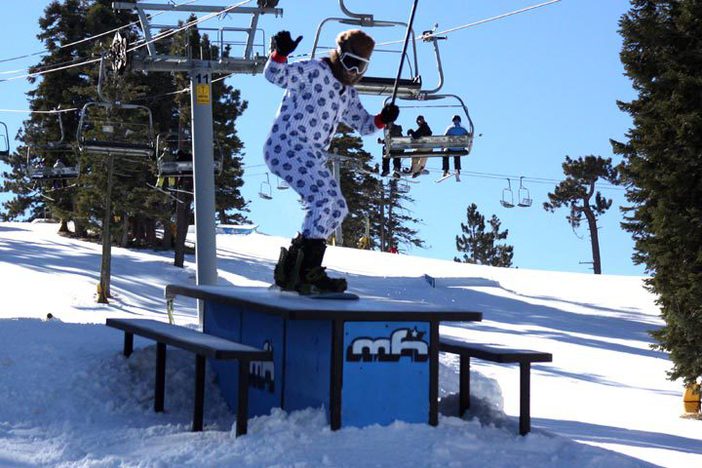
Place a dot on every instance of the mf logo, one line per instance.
(402, 342)
(262, 373)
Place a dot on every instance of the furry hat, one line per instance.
(356, 41)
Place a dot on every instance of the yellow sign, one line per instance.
(202, 95)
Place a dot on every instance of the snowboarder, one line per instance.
(421, 131)
(455, 129)
(319, 94)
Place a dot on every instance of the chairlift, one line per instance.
(174, 155)
(264, 190)
(524, 198)
(52, 162)
(224, 39)
(378, 86)
(403, 186)
(434, 145)
(282, 185)
(113, 128)
(4, 140)
(507, 196)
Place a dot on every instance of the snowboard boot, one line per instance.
(311, 276)
(284, 273)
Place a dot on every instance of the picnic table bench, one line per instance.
(203, 346)
(499, 354)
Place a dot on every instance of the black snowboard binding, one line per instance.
(300, 268)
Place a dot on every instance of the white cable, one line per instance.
(159, 37)
(476, 23)
(91, 38)
(27, 111)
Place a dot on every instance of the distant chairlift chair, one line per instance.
(264, 190)
(122, 130)
(524, 198)
(4, 140)
(53, 162)
(507, 196)
(175, 156)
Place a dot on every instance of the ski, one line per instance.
(443, 178)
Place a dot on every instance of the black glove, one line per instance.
(283, 44)
(389, 113)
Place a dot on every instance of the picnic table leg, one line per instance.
(463, 385)
(434, 374)
(128, 344)
(160, 385)
(337, 364)
(242, 409)
(524, 396)
(198, 411)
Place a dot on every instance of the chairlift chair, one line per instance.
(507, 196)
(524, 198)
(403, 186)
(118, 129)
(4, 140)
(282, 185)
(378, 86)
(434, 145)
(264, 190)
(52, 162)
(174, 156)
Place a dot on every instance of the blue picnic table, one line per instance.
(368, 361)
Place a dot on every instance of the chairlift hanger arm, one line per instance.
(193, 8)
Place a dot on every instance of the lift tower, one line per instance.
(200, 72)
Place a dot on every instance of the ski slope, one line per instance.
(68, 397)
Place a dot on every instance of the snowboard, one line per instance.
(344, 296)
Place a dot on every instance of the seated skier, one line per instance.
(421, 131)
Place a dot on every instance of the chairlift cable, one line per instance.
(531, 180)
(479, 22)
(28, 111)
(156, 38)
(91, 38)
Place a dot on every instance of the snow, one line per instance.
(69, 398)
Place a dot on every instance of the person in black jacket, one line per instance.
(422, 130)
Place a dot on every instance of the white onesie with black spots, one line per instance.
(296, 148)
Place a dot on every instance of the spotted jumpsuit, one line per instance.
(296, 148)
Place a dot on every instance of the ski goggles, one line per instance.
(352, 62)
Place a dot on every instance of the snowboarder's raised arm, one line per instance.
(278, 71)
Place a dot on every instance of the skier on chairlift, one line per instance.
(455, 129)
(421, 131)
(319, 93)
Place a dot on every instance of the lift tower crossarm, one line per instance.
(193, 8)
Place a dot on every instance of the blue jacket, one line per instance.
(456, 130)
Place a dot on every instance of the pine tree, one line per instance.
(62, 23)
(577, 190)
(371, 203)
(663, 167)
(481, 246)
(358, 186)
(395, 221)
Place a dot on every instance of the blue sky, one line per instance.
(539, 86)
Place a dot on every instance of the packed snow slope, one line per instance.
(69, 398)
